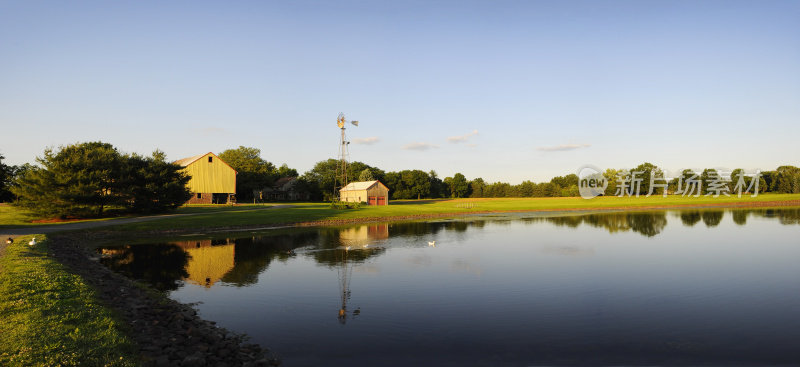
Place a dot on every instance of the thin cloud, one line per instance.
(419, 146)
(366, 141)
(563, 147)
(462, 138)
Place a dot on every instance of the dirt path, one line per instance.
(46, 229)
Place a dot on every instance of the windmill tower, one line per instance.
(340, 180)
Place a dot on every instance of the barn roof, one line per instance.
(363, 185)
(187, 161)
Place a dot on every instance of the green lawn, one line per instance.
(13, 217)
(50, 317)
(312, 212)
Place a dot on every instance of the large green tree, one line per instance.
(459, 186)
(438, 188)
(788, 180)
(153, 185)
(408, 184)
(253, 172)
(76, 180)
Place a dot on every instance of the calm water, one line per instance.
(674, 287)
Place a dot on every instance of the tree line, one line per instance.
(418, 184)
(85, 179)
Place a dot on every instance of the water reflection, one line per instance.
(583, 282)
(161, 265)
(239, 261)
(646, 223)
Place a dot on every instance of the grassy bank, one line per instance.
(50, 317)
(321, 212)
(14, 217)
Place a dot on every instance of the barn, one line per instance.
(370, 192)
(213, 181)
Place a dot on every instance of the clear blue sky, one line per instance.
(549, 86)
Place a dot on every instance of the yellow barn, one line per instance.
(370, 192)
(213, 181)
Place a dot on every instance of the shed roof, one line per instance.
(362, 185)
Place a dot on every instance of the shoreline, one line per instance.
(107, 234)
(166, 331)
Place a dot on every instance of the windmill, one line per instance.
(340, 180)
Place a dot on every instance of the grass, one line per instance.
(14, 217)
(50, 317)
(311, 212)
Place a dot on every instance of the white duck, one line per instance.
(9, 241)
(432, 243)
(33, 242)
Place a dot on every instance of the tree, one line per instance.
(153, 185)
(6, 177)
(84, 179)
(408, 184)
(321, 179)
(366, 175)
(418, 182)
(253, 172)
(77, 180)
(285, 171)
(788, 180)
(610, 176)
(459, 187)
(438, 188)
(477, 186)
(647, 172)
(355, 168)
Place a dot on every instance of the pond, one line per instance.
(665, 287)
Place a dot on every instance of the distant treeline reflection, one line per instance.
(239, 261)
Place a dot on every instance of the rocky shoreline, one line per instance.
(167, 332)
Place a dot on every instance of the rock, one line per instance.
(162, 361)
(194, 360)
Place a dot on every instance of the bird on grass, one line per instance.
(432, 243)
(33, 242)
(9, 241)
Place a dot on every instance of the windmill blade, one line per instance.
(354, 123)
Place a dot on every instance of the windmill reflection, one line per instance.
(355, 241)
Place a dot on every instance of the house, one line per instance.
(370, 192)
(284, 189)
(213, 181)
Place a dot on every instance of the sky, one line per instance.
(503, 90)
